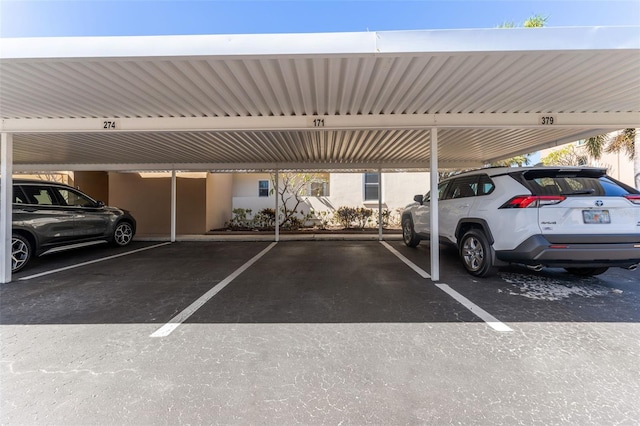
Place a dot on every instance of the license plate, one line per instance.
(596, 216)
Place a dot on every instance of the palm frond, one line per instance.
(595, 145)
(624, 141)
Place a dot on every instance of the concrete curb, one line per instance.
(271, 237)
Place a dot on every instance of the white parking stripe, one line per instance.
(409, 263)
(174, 322)
(475, 309)
(91, 261)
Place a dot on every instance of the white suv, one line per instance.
(576, 218)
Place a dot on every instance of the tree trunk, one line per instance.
(636, 159)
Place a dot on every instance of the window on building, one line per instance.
(317, 188)
(263, 188)
(371, 186)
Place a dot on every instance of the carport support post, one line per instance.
(6, 201)
(277, 187)
(379, 204)
(435, 230)
(173, 206)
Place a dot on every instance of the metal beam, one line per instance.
(250, 167)
(612, 120)
(6, 203)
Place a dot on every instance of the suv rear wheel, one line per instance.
(476, 253)
(20, 252)
(408, 234)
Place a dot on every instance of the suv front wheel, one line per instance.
(123, 234)
(476, 253)
(20, 252)
(408, 234)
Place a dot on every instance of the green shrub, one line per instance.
(265, 219)
(346, 216)
(363, 215)
(240, 219)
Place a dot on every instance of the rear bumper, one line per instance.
(576, 251)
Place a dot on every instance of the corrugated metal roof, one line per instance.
(486, 88)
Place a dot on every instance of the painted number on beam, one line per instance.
(315, 122)
(110, 125)
(547, 120)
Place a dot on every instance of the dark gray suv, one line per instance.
(49, 217)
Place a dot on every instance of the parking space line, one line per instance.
(175, 322)
(42, 274)
(409, 263)
(475, 309)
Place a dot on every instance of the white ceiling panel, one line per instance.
(474, 81)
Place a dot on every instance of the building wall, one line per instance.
(618, 165)
(398, 189)
(218, 199)
(94, 184)
(346, 189)
(148, 197)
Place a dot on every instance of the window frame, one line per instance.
(366, 185)
(260, 188)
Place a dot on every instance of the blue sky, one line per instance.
(50, 18)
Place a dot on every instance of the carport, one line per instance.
(340, 101)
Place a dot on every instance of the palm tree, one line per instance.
(626, 141)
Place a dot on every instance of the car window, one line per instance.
(40, 195)
(73, 198)
(583, 185)
(485, 185)
(442, 187)
(18, 196)
(462, 187)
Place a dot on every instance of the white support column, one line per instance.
(435, 229)
(277, 187)
(173, 205)
(6, 203)
(379, 204)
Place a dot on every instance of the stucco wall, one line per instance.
(618, 165)
(149, 200)
(219, 199)
(95, 184)
(346, 189)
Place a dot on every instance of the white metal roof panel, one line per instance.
(252, 96)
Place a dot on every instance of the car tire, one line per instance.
(123, 234)
(20, 252)
(409, 234)
(587, 272)
(477, 254)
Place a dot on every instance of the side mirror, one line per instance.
(99, 203)
(418, 198)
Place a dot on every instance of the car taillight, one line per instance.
(635, 199)
(532, 201)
